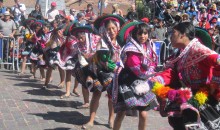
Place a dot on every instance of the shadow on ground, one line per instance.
(69, 117)
(56, 103)
(42, 92)
(60, 128)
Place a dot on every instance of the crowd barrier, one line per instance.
(7, 49)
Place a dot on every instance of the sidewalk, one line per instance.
(24, 106)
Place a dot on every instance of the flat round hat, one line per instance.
(203, 37)
(125, 31)
(101, 20)
(75, 29)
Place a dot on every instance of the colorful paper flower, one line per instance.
(201, 97)
(163, 92)
(156, 87)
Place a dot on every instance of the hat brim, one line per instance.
(28, 20)
(74, 29)
(125, 30)
(98, 21)
(203, 37)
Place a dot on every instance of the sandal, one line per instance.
(64, 96)
(75, 94)
(87, 126)
(84, 106)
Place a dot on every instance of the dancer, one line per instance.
(104, 61)
(86, 46)
(53, 46)
(139, 61)
(195, 68)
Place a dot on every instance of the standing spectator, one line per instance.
(52, 13)
(160, 31)
(7, 28)
(132, 14)
(10, 11)
(2, 8)
(81, 18)
(72, 14)
(89, 13)
(152, 34)
(18, 10)
(116, 10)
(37, 14)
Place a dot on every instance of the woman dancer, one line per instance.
(108, 27)
(53, 46)
(139, 61)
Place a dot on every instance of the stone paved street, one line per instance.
(24, 106)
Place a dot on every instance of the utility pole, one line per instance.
(101, 7)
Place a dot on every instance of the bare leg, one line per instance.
(33, 69)
(142, 125)
(68, 84)
(118, 120)
(75, 91)
(94, 106)
(48, 76)
(42, 73)
(111, 113)
(85, 93)
(62, 77)
(23, 65)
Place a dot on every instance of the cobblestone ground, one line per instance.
(24, 106)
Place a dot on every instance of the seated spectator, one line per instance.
(185, 17)
(202, 12)
(212, 12)
(181, 8)
(194, 21)
(213, 22)
(204, 24)
(192, 12)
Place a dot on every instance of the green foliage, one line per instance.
(143, 11)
